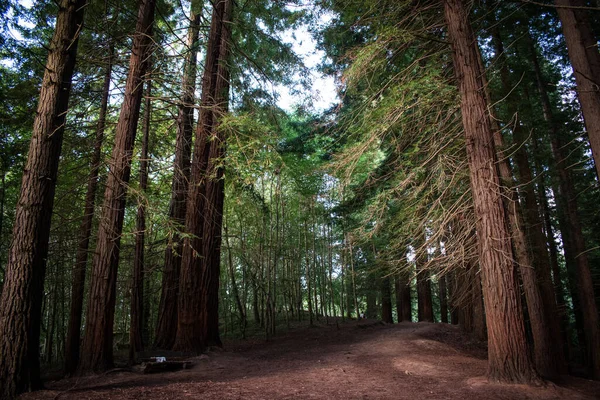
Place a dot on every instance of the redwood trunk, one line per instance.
(585, 60)
(386, 301)
(97, 347)
(425, 303)
(576, 241)
(403, 300)
(136, 328)
(22, 293)
(197, 282)
(477, 300)
(443, 299)
(508, 353)
(166, 328)
(85, 231)
(532, 261)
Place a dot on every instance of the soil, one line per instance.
(353, 360)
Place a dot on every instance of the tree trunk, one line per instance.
(85, 231)
(425, 301)
(477, 300)
(136, 327)
(452, 297)
(234, 287)
(585, 60)
(166, 327)
(308, 280)
(532, 262)
(386, 301)
(443, 299)
(200, 266)
(97, 347)
(215, 185)
(508, 357)
(21, 300)
(576, 242)
(403, 300)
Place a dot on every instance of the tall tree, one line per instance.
(136, 329)
(21, 300)
(213, 214)
(585, 59)
(166, 327)
(97, 346)
(508, 356)
(575, 247)
(85, 230)
(192, 322)
(546, 350)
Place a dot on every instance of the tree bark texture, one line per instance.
(97, 346)
(22, 293)
(508, 353)
(575, 247)
(136, 328)
(479, 327)
(198, 282)
(582, 46)
(546, 354)
(166, 328)
(85, 231)
(386, 301)
(403, 300)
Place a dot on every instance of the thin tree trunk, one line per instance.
(477, 300)
(136, 342)
(443, 299)
(97, 346)
(308, 280)
(234, 287)
(21, 300)
(166, 327)
(85, 230)
(425, 303)
(508, 357)
(386, 301)
(356, 310)
(2, 201)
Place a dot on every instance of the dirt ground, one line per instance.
(355, 360)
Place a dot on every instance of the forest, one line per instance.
(194, 177)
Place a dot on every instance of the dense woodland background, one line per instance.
(373, 206)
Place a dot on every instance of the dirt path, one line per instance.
(357, 361)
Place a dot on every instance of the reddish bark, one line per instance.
(576, 248)
(585, 60)
(85, 231)
(508, 356)
(532, 260)
(21, 299)
(166, 327)
(97, 346)
(403, 300)
(386, 301)
(443, 299)
(136, 328)
(197, 322)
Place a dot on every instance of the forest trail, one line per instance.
(354, 360)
